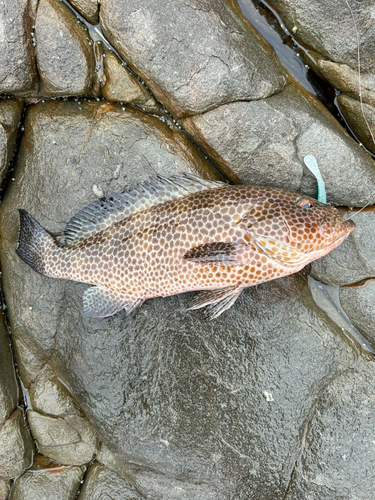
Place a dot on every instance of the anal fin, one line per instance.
(218, 252)
(100, 302)
(216, 301)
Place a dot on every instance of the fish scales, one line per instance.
(195, 236)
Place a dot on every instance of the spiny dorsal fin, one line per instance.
(111, 209)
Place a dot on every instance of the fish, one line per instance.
(181, 234)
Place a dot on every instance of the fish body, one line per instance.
(182, 234)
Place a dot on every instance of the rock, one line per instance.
(9, 396)
(17, 63)
(352, 261)
(10, 116)
(121, 85)
(89, 9)
(342, 77)
(101, 483)
(46, 481)
(264, 143)
(16, 446)
(331, 31)
(57, 423)
(109, 150)
(358, 304)
(68, 441)
(4, 489)
(192, 56)
(66, 62)
(192, 408)
(362, 127)
(330, 461)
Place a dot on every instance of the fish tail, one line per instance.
(33, 241)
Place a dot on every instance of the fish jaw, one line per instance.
(346, 227)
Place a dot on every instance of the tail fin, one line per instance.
(33, 241)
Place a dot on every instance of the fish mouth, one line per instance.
(335, 224)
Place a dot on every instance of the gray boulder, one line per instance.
(192, 55)
(10, 117)
(65, 62)
(101, 482)
(89, 9)
(332, 31)
(4, 489)
(358, 304)
(339, 433)
(47, 481)
(18, 74)
(360, 118)
(352, 261)
(16, 446)
(264, 143)
(121, 85)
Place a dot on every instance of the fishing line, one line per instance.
(359, 72)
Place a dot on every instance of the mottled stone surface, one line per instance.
(9, 394)
(18, 74)
(4, 489)
(121, 85)
(46, 481)
(264, 143)
(339, 433)
(89, 9)
(16, 446)
(10, 116)
(65, 62)
(69, 440)
(358, 304)
(192, 55)
(352, 261)
(360, 118)
(102, 483)
(321, 25)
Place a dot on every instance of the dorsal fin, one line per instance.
(111, 209)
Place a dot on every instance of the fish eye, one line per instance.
(306, 204)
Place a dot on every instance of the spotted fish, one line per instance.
(182, 234)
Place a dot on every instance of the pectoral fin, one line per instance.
(100, 302)
(221, 253)
(217, 301)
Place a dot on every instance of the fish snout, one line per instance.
(333, 223)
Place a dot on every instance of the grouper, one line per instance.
(181, 234)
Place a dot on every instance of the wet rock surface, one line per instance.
(46, 480)
(18, 74)
(16, 446)
(358, 303)
(257, 404)
(4, 489)
(361, 119)
(89, 9)
(102, 482)
(264, 143)
(320, 26)
(346, 62)
(65, 62)
(192, 56)
(10, 117)
(121, 85)
(352, 261)
(331, 460)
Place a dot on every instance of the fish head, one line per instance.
(295, 229)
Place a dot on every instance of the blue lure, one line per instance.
(312, 165)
